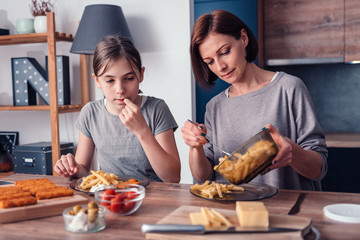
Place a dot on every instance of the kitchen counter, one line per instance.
(163, 198)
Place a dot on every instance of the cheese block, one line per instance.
(196, 218)
(252, 214)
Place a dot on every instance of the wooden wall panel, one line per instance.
(303, 29)
(352, 30)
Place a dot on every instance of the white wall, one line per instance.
(161, 31)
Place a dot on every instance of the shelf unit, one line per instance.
(51, 37)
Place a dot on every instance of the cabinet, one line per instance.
(352, 30)
(289, 19)
(50, 37)
(306, 32)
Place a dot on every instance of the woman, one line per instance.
(222, 46)
(133, 134)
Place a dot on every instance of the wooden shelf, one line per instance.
(61, 108)
(50, 38)
(342, 140)
(33, 38)
(5, 174)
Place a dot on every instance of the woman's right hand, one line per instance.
(66, 166)
(194, 134)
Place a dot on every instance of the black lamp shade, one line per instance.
(98, 21)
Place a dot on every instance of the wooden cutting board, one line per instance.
(43, 208)
(181, 216)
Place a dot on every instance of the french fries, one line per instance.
(210, 190)
(237, 170)
(97, 178)
(210, 218)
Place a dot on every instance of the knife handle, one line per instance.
(171, 228)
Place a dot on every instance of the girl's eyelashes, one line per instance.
(127, 78)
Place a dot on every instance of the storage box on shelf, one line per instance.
(35, 158)
(50, 37)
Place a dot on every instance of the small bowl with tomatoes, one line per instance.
(122, 199)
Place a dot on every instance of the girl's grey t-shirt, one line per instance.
(284, 103)
(118, 149)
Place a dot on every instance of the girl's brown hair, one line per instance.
(221, 22)
(112, 48)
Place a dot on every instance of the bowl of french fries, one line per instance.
(101, 179)
(123, 200)
(96, 180)
(250, 159)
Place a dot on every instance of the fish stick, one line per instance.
(33, 182)
(15, 195)
(9, 190)
(29, 188)
(17, 202)
(54, 194)
(43, 188)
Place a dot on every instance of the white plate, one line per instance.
(344, 212)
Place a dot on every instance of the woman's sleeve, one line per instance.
(310, 135)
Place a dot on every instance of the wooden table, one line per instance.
(163, 198)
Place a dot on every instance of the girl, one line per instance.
(222, 46)
(132, 134)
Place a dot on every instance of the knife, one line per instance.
(200, 229)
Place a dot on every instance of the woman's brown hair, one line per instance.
(221, 22)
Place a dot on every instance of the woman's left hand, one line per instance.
(132, 118)
(284, 156)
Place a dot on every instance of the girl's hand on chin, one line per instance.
(132, 117)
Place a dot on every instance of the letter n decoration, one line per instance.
(30, 78)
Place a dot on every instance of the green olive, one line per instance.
(92, 204)
(71, 213)
(76, 209)
(92, 214)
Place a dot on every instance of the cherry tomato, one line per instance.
(120, 196)
(106, 196)
(128, 206)
(110, 191)
(116, 206)
(131, 195)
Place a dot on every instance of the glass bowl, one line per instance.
(123, 199)
(81, 224)
(250, 159)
